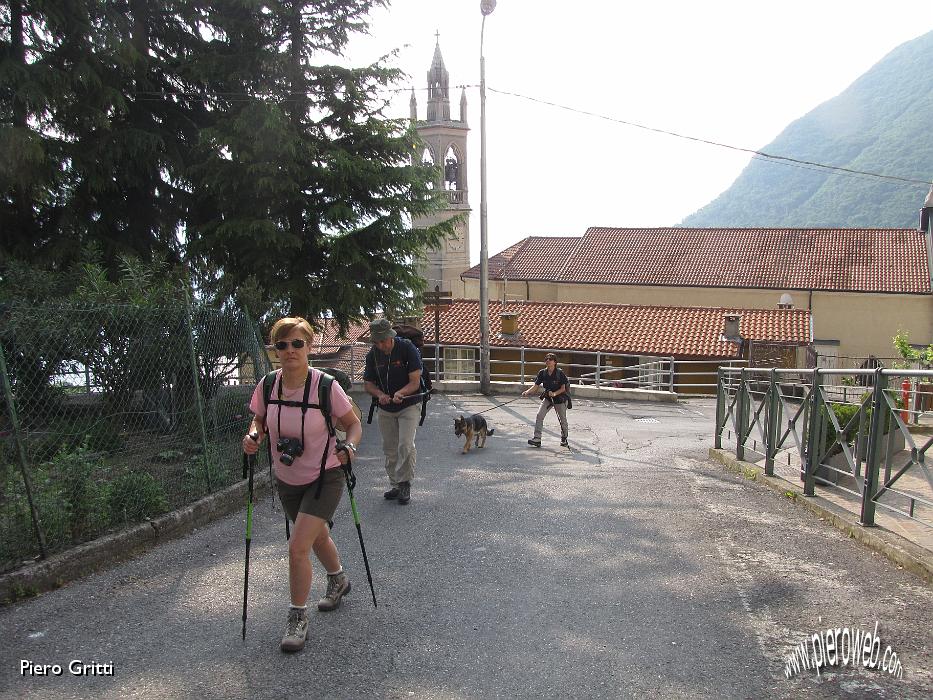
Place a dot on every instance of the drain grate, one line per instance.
(646, 419)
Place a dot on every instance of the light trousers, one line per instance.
(560, 409)
(398, 442)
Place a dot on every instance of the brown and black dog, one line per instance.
(475, 425)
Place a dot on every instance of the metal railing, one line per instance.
(862, 446)
(446, 361)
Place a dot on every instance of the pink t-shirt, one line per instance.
(307, 467)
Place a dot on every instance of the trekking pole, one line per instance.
(351, 484)
(249, 464)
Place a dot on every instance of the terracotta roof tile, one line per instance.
(622, 328)
(858, 260)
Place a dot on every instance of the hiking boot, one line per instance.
(296, 630)
(391, 494)
(564, 443)
(535, 442)
(404, 493)
(338, 585)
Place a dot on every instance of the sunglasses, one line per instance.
(297, 343)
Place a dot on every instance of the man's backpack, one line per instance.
(416, 336)
(323, 405)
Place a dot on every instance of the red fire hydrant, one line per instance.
(905, 399)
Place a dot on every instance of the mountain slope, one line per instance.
(882, 123)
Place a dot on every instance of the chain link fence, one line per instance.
(111, 415)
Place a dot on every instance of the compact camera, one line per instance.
(289, 448)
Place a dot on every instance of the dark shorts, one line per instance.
(300, 499)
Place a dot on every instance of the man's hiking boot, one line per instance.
(391, 494)
(404, 493)
(338, 585)
(296, 630)
(535, 442)
(564, 443)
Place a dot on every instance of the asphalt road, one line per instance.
(628, 566)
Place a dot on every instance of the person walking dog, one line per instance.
(307, 466)
(392, 374)
(555, 396)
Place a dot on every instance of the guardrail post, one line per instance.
(523, 364)
(879, 415)
(599, 362)
(721, 400)
(814, 433)
(774, 421)
(741, 417)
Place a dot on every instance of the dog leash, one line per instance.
(499, 406)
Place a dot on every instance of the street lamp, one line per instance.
(486, 7)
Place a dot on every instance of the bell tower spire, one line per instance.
(438, 86)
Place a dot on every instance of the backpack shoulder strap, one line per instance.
(323, 400)
(267, 384)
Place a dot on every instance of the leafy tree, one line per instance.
(911, 356)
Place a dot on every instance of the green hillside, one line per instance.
(882, 123)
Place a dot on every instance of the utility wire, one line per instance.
(289, 96)
(754, 152)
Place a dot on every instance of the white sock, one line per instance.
(298, 607)
(336, 573)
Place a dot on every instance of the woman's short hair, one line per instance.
(284, 327)
(550, 356)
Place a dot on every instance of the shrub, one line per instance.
(78, 473)
(217, 470)
(17, 535)
(136, 496)
(843, 413)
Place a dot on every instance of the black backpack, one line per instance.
(416, 336)
(562, 378)
(323, 404)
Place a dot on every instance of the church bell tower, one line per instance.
(445, 145)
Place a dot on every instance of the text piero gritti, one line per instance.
(76, 667)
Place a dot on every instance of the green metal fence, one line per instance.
(111, 415)
(854, 437)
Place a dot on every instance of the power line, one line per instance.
(291, 96)
(754, 152)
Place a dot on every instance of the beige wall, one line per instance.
(864, 324)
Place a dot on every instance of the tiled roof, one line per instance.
(856, 260)
(684, 331)
(327, 339)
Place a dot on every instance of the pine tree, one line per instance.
(305, 188)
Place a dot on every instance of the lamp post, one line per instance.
(486, 7)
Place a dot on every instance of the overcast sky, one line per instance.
(733, 71)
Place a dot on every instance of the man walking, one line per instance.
(393, 372)
(555, 385)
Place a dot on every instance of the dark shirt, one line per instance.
(390, 372)
(553, 382)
